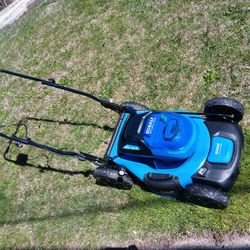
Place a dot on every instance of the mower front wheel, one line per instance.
(206, 196)
(112, 177)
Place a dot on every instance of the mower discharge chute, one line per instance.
(192, 156)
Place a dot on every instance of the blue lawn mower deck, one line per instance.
(194, 157)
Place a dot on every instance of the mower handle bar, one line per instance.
(79, 155)
(51, 82)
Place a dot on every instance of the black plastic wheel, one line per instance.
(225, 105)
(135, 105)
(206, 196)
(112, 177)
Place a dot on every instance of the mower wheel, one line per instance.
(135, 105)
(206, 196)
(112, 177)
(225, 105)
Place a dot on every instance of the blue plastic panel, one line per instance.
(170, 136)
(221, 150)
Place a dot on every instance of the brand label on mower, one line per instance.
(218, 148)
(221, 150)
(150, 125)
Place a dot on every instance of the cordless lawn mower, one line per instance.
(191, 156)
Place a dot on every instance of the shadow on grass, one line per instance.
(67, 122)
(87, 211)
(22, 159)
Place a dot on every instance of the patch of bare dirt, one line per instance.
(53, 8)
(205, 240)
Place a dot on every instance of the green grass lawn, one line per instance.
(165, 54)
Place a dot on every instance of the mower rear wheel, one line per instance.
(112, 177)
(135, 105)
(225, 105)
(206, 196)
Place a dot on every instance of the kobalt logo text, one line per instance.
(150, 126)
